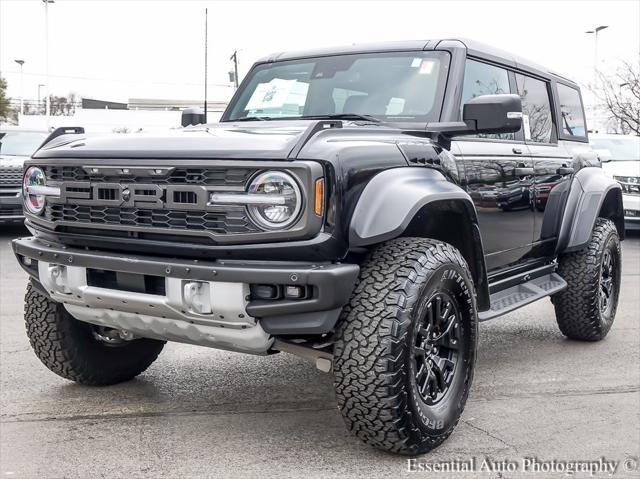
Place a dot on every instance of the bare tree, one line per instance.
(620, 94)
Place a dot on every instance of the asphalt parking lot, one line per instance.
(206, 413)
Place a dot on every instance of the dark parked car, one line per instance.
(329, 215)
(16, 145)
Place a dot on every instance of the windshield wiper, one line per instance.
(252, 118)
(343, 116)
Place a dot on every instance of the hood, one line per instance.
(622, 168)
(11, 161)
(241, 140)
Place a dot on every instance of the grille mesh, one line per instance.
(232, 221)
(10, 177)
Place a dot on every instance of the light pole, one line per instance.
(46, 58)
(234, 57)
(595, 31)
(206, 58)
(39, 97)
(21, 63)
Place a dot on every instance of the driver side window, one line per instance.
(484, 79)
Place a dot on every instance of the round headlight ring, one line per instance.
(34, 176)
(278, 184)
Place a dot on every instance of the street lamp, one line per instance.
(46, 57)
(595, 50)
(39, 98)
(21, 63)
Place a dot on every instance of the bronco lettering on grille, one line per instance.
(135, 195)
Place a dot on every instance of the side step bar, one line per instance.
(510, 299)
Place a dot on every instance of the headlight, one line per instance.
(630, 184)
(34, 176)
(280, 203)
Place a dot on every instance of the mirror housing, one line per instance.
(192, 116)
(493, 114)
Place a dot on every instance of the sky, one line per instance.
(116, 50)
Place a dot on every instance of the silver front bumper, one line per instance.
(206, 313)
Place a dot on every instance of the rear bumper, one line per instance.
(226, 282)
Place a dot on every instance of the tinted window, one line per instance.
(571, 119)
(394, 86)
(537, 122)
(483, 79)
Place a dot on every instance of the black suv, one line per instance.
(361, 207)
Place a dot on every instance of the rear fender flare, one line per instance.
(592, 194)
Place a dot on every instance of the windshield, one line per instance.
(20, 143)
(396, 86)
(616, 149)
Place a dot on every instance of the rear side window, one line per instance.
(483, 79)
(537, 121)
(572, 119)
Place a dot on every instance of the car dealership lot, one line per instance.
(209, 413)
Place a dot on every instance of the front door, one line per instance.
(498, 174)
(499, 179)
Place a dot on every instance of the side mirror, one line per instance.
(493, 114)
(192, 116)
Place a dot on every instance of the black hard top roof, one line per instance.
(474, 48)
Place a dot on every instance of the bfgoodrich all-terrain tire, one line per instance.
(73, 349)
(406, 346)
(587, 308)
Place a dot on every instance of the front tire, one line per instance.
(72, 349)
(585, 310)
(406, 346)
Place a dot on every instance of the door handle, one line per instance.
(521, 171)
(516, 151)
(564, 170)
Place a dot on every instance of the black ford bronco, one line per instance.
(362, 207)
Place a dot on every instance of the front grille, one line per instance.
(10, 177)
(10, 211)
(191, 176)
(232, 221)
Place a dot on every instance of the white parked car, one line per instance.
(620, 155)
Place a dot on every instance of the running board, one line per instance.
(507, 300)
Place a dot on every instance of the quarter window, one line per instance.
(483, 79)
(536, 109)
(572, 119)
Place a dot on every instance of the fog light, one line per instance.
(26, 261)
(264, 291)
(294, 292)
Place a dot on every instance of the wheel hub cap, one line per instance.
(435, 351)
(607, 281)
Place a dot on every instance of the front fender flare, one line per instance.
(393, 197)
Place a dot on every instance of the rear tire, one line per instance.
(587, 308)
(70, 349)
(398, 388)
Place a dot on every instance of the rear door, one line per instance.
(552, 163)
(498, 175)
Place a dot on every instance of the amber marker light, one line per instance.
(319, 200)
